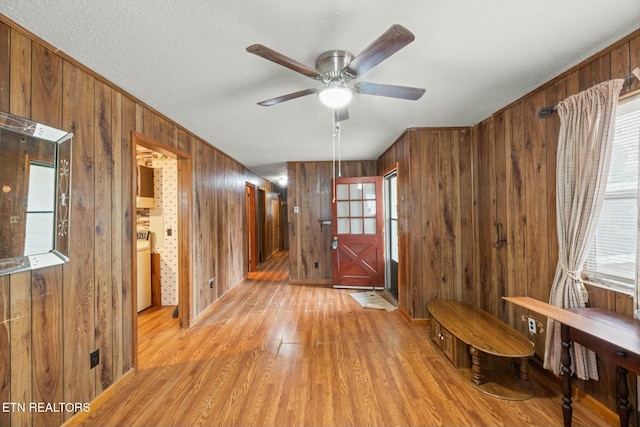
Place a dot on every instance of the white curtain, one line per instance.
(585, 141)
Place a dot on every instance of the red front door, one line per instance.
(358, 258)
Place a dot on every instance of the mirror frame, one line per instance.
(59, 254)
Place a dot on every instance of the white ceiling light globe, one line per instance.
(335, 95)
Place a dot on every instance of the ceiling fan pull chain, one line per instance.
(339, 150)
(333, 156)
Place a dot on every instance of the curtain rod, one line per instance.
(547, 111)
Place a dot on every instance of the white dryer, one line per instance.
(144, 270)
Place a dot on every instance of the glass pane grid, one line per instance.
(612, 256)
(356, 208)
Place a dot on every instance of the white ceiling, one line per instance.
(187, 59)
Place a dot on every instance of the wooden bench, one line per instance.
(462, 330)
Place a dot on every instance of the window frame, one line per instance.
(610, 281)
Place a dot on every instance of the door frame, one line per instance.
(392, 171)
(183, 160)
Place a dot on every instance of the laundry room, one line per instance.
(157, 229)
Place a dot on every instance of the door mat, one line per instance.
(372, 300)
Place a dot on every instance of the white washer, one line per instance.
(144, 270)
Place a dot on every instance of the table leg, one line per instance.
(478, 378)
(567, 411)
(623, 396)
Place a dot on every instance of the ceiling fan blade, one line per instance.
(285, 61)
(287, 97)
(391, 91)
(340, 114)
(391, 41)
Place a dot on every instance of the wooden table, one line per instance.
(483, 332)
(609, 334)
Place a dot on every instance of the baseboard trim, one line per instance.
(419, 321)
(79, 417)
(318, 282)
(596, 406)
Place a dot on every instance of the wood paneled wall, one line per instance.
(435, 222)
(52, 318)
(309, 189)
(515, 183)
(477, 216)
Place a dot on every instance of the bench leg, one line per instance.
(523, 372)
(478, 378)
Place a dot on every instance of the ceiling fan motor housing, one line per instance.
(331, 63)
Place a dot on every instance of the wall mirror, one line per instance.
(35, 180)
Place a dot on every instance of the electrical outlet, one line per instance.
(531, 322)
(94, 357)
(316, 265)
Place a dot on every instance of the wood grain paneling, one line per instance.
(47, 344)
(21, 347)
(5, 347)
(435, 221)
(20, 76)
(79, 302)
(5, 51)
(104, 322)
(123, 294)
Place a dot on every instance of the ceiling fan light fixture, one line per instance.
(335, 95)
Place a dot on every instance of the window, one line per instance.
(40, 223)
(612, 258)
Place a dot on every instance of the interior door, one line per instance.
(358, 254)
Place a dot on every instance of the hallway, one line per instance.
(276, 354)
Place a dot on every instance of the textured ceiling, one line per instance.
(187, 59)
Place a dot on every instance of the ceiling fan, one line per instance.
(336, 68)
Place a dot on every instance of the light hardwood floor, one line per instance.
(276, 354)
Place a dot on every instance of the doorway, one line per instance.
(357, 229)
(391, 232)
(180, 231)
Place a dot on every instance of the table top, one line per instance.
(480, 329)
(608, 326)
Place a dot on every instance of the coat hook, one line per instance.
(500, 234)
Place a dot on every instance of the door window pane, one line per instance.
(342, 192)
(355, 191)
(369, 208)
(342, 209)
(343, 225)
(356, 208)
(356, 226)
(369, 226)
(369, 190)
